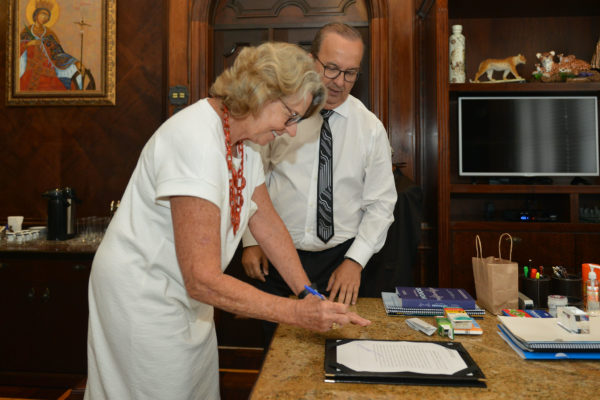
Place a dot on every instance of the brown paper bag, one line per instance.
(496, 279)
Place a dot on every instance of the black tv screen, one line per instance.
(528, 136)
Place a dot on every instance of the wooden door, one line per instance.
(388, 27)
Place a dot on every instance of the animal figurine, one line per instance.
(506, 65)
(548, 70)
(571, 64)
(547, 67)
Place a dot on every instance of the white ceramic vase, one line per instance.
(457, 55)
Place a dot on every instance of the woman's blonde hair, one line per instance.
(266, 73)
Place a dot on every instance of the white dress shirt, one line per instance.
(364, 193)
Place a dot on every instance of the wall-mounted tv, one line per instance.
(528, 136)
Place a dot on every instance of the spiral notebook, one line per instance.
(546, 355)
(545, 335)
(392, 306)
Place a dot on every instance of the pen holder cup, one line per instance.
(537, 290)
(570, 287)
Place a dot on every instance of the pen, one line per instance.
(314, 292)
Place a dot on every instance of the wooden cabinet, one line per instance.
(43, 303)
(467, 207)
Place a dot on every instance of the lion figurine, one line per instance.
(506, 65)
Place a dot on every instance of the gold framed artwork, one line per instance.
(61, 52)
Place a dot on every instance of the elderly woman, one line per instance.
(159, 270)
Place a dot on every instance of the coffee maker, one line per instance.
(61, 213)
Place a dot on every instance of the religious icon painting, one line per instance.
(61, 52)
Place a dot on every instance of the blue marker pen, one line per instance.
(314, 292)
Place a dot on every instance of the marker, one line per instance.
(525, 271)
(314, 292)
(533, 272)
(537, 275)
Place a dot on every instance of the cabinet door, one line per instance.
(20, 313)
(587, 249)
(542, 248)
(43, 302)
(64, 315)
(235, 330)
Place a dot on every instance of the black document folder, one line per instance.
(335, 371)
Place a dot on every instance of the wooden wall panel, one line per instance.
(402, 85)
(90, 148)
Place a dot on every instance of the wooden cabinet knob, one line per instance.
(31, 294)
(46, 295)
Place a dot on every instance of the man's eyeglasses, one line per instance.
(332, 72)
(295, 117)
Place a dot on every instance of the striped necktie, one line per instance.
(325, 181)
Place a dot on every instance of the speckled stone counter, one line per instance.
(71, 246)
(293, 368)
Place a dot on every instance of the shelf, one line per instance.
(521, 9)
(469, 206)
(524, 226)
(526, 189)
(534, 87)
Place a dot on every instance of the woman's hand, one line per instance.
(318, 315)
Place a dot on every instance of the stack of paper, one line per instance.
(543, 338)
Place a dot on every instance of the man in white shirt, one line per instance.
(363, 190)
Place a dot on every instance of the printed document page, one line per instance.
(386, 356)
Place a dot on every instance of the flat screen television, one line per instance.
(528, 136)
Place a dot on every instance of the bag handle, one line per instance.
(478, 248)
(500, 246)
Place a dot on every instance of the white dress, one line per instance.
(147, 339)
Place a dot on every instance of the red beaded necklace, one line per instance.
(237, 182)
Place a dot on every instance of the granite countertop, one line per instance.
(294, 366)
(49, 246)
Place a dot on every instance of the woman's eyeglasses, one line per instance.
(314, 104)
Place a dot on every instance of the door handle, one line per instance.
(79, 267)
(46, 296)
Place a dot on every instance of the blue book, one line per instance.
(428, 297)
(535, 355)
(513, 312)
(539, 313)
(391, 302)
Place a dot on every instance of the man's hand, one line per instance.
(255, 262)
(344, 282)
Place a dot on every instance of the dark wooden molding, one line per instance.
(441, 44)
(272, 10)
(379, 59)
